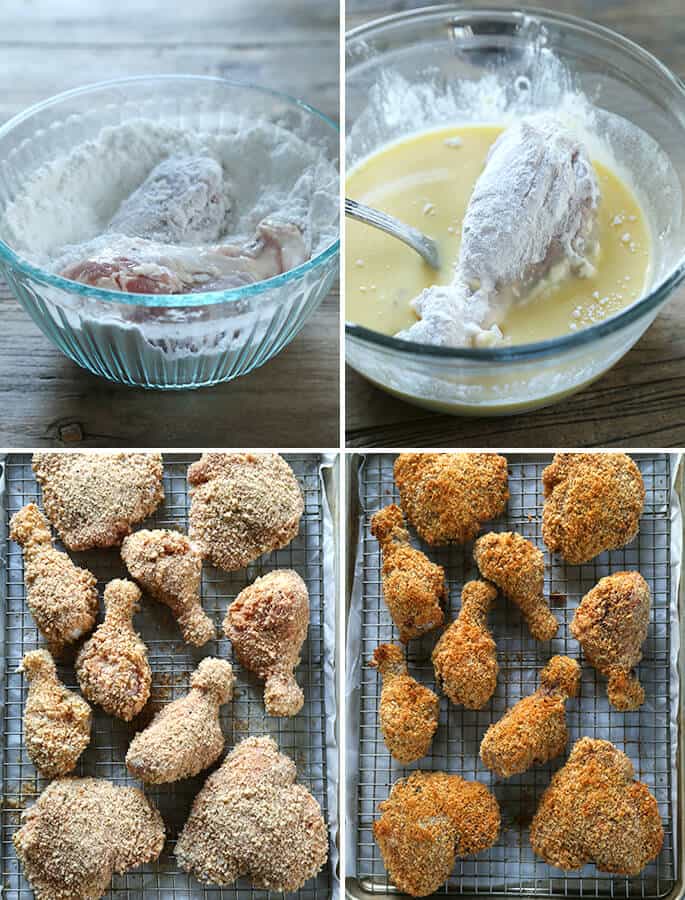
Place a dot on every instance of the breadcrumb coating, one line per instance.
(447, 496)
(80, 832)
(185, 737)
(168, 566)
(62, 597)
(534, 730)
(414, 588)
(611, 625)
(429, 819)
(465, 657)
(112, 667)
(408, 711)
(242, 505)
(267, 624)
(593, 503)
(517, 567)
(56, 721)
(93, 499)
(251, 820)
(595, 811)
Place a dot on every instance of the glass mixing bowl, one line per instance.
(179, 341)
(438, 45)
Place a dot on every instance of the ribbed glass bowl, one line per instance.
(159, 341)
(439, 45)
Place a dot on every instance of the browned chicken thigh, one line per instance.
(112, 667)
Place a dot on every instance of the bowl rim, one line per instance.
(573, 340)
(206, 298)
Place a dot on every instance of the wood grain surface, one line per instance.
(641, 401)
(48, 46)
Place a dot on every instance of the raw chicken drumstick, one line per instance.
(611, 625)
(594, 811)
(112, 667)
(408, 711)
(62, 598)
(185, 737)
(430, 819)
(534, 730)
(267, 624)
(56, 721)
(80, 832)
(251, 820)
(517, 567)
(169, 567)
(413, 587)
(465, 657)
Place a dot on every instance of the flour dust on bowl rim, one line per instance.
(151, 340)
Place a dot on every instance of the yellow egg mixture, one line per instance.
(427, 180)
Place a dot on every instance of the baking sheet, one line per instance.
(648, 736)
(309, 738)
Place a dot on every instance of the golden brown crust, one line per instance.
(447, 496)
(593, 503)
(594, 811)
(428, 820)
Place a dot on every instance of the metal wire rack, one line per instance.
(301, 737)
(510, 867)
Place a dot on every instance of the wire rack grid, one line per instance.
(301, 737)
(510, 867)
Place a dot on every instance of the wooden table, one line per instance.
(641, 401)
(48, 46)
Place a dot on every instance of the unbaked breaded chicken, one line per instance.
(611, 625)
(408, 711)
(465, 657)
(594, 811)
(534, 730)
(593, 503)
(429, 819)
(447, 496)
(518, 567)
(414, 588)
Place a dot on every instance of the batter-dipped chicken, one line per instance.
(465, 657)
(447, 496)
(594, 811)
(517, 567)
(593, 503)
(429, 819)
(611, 625)
(414, 588)
(534, 730)
(408, 711)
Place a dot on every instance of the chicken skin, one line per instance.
(56, 721)
(465, 657)
(62, 597)
(92, 499)
(447, 496)
(185, 737)
(252, 820)
(534, 730)
(594, 811)
(169, 568)
(611, 625)
(267, 624)
(593, 503)
(517, 567)
(112, 667)
(80, 832)
(413, 587)
(429, 819)
(242, 505)
(408, 711)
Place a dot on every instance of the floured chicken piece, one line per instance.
(531, 221)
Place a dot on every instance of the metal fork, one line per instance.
(426, 247)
